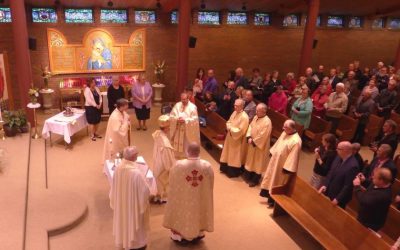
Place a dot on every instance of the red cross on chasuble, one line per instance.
(194, 179)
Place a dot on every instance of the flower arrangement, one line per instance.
(33, 94)
(159, 70)
(46, 74)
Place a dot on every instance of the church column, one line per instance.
(309, 34)
(397, 59)
(185, 10)
(22, 56)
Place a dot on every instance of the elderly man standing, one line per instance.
(382, 160)
(211, 84)
(118, 129)
(336, 106)
(374, 203)
(240, 79)
(129, 198)
(249, 105)
(284, 160)
(258, 138)
(184, 125)
(190, 208)
(232, 152)
(338, 185)
(365, 107)
(163, 158)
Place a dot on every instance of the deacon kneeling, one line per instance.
(284, 160)
(129, 198)
(258, 138)
(189, 211)
(118, 127)
(232, 152)
(163, 158)
(184, 125)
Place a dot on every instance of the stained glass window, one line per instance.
(262, 19)
(237, 18)
(335, 21)
(5, 15)
(145, 16)
(174, 17)
(291, 20)
(78, 15)
(318, 21)
(378, 23)
(113, 16)
(208, 17)
(355, 22)
(394, 23)
(44, 15)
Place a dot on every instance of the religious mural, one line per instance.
(97, 53)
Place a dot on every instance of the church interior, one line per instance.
(293, 104)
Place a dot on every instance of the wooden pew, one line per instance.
(373, 128)
(278, 120)
(216, 125)
(330, 225)
(391, 230)
(346, 128)
(318, 127)
(396, 117)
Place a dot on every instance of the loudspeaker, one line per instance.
(32, 43)
(192, 42)
(315, 43)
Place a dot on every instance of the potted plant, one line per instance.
(23, 124)
(14, 122)
(10, 123)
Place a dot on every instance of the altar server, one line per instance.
(284, 160)
(189, 211)
(258, 140)
(118, 129)
(184, 125)
(129, 198)
(232, 153)
(163, 158)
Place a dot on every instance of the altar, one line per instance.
(109, 168)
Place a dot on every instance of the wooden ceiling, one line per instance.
(344, 7)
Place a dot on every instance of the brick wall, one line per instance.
(224, 47)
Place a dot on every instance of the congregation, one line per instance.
(339, 169)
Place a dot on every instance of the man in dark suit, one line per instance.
(338, 185)
(333, 78)
(226, 101)
(374, 202)
(388, 136)
(382, 160)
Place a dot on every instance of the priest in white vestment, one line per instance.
(232, 158)
(163, 158)
(129, 198)
(189, 211)
(118, 129)
(284, 160)
(258, 140)
(184, 125)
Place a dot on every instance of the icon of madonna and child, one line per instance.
(101, 57)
